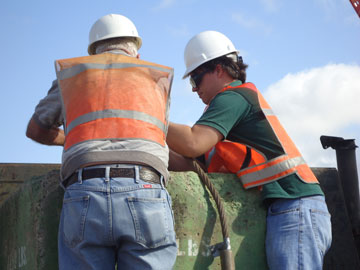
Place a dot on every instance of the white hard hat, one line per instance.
(112, 26)
(204, 47)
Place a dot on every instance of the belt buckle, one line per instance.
(150, 174)
(147, 174)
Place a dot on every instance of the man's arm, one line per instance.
(52, 136)
(192, 141)
(179, 163)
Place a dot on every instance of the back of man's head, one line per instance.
(232, 63)
(125, 44)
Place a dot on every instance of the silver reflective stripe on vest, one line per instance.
(77, 69)
(210, 156)
(117, 114)
(271, 170)
(268, 111)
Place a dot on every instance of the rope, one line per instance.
(205, 179)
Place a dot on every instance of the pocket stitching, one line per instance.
(139, 236)
(80, 237)
(273, 213)
(313, 212)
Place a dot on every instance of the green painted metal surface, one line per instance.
(13, 176)
(29, 220)
(29, 217)
(30, 205)
(197, 222)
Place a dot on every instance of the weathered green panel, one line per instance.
(12, 176)
(30, 205)
(29, 219)
(197, 223)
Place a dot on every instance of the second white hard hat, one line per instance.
(112, 26)
(204, 47)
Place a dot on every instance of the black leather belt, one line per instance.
(145, 174)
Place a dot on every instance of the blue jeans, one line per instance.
(123, 221)
(298, 233)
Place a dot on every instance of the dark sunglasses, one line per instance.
(195, 79)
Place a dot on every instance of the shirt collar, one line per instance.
(235, 83)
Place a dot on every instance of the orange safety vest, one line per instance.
(276, 168)
(114, 97)
(230, 157)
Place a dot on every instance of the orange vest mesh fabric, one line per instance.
(116, 97)
(263, 171)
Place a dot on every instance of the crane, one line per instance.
(356, 6)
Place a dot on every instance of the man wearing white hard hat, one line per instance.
(298, 222)
(114, 110)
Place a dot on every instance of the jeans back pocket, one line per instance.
(74, 217)
(152, 220)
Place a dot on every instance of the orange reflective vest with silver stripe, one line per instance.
(230, 157)
(283, 165)
(114, 97)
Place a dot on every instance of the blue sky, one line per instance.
(303, 55)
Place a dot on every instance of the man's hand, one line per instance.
(192, 141)
(179, 163)
(52, 136)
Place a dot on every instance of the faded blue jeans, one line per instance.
(123, 221)
(298, 233)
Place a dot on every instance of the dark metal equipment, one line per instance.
(347, 170)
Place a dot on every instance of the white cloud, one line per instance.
(251, 23)
(320, 101)
(271, 5)
(179, 31)
(338, 10)
(327, 4)
(164, 4)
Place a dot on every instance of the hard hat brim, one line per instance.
(198, 64)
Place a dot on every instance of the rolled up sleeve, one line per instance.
(48, 113)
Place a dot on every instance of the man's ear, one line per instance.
(219, 70)
(138, 56)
